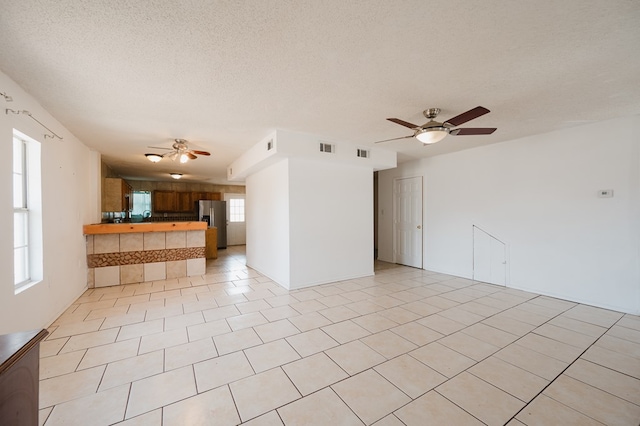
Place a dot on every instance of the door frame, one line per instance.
(395, 216)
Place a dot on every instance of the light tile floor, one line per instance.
(405, 346)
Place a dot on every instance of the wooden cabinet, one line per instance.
(19, 374)
(211, 243)
(118, 195)
(180, 201)
(164, 201)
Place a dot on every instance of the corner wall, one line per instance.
(539, 194)
(70, 198)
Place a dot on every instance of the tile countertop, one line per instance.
(125, 228)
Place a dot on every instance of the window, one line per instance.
(236, 210)
(141, 204)
(27, 212)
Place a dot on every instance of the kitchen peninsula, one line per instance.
(127, 253)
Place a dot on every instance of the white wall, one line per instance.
(539, 195)
(331, 222)
(267, 221)
(69, 193)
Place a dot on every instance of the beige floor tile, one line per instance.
(345, 331)
(268, 419)
(43, 415)
(365, 307)
(619, 345)
(198, 306)
(630, 321)
(338, 313)
(491, 335)
(215, 406)
(410, 375)
(263, 392)
(532, 361)
(400, 315)
(593, 402)
(222, 370)
(355, 357)
(313, 373)
(546, 411)
(70, 386)
(236, 341)
(269, 355)
(388, 344)
(189, 353)
(60, 364)
(307, 306)
(321, 409)
(51, 347)
(208, 329)
(468, 345)
(222, 312)
(370, 396)
(311, 342)
(441, 324)
(564, 335)
(109, 353)
(309, 321)
(618, 384)
(163, 340)
(460, 315)
(374, 322)
(433, 409)
(253, 306)
(90, 340)
(152, 418)
(150, 307)
(160, 390)
(279, 312)
(579, 326)
(390, 420)
(482, 400)
(71, 329)
(230, 300)
(479, 309)
(140, 329)
(132, 369)
(125, 319)
(624, 333)
(442, 359)
(516, 381)
(614, 360)
(421, 308)
(592, 315)
(276, 330)
(182, 321)
(509, 325)
(416, 333)
(102, 408)
(333, 300)
(439, 302)
(246, 320)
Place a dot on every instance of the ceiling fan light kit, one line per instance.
(176, 175)
(154, 158)
(434, 131)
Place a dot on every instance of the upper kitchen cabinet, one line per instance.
(117, 195)
(215, 196)
(164, 201)
(184, 202)
(180, 201)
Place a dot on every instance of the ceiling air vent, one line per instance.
(363, 153)
(327, 147)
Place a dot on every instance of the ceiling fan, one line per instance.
(434, 131)
(180, 150)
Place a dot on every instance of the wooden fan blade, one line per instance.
(467, 116)
(191, 156)
(200, 152)
(403, 123)
(395, 139)
(158, 147)
(472, 131)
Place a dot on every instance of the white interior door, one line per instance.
(408, 221)
(236, 224)
(489, 258)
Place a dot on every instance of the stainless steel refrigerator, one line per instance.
(215, 214)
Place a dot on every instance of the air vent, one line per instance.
(327, 147)
(363, 153)
(270, 145)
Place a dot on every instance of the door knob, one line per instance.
(419, 227)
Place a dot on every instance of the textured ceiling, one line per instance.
(123, 75)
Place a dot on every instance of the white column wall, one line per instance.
(331, 222)
(267, 220)
(68, 201)
(539, 195)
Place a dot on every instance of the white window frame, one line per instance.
(233, 215)
(28, 205)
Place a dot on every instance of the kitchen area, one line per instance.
(156, 230)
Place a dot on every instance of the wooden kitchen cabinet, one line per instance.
(118, 195)
(216, 196)
(184, 202)
(164, 201)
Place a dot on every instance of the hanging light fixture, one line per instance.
(432, 135)
(176, 175)
(154, 158)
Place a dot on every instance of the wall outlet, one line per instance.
(605, 193)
